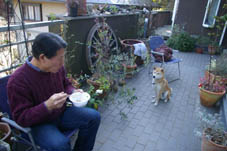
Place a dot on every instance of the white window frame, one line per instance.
(206, 14)
(29, 13)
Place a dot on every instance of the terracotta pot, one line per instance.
(129, 70)
(199, 50)
(212, 50)
(208, 145)
(208, 98)
(4, 127)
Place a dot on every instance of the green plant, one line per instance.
(94, 101)
(104, 83)
(218, 28)
(128, 59)
(202, 41)
(113, 9)
(211, 127)
(181, 41)
(218, 66)
(107, 70)
(140, 25)
(52, 16)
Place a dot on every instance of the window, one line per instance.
(211, 12)
(32, 12)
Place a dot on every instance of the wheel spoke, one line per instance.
(100, 40)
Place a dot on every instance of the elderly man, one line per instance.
(37, 93)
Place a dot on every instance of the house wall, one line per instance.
(56, 8)
(190, 14)
(47, 9)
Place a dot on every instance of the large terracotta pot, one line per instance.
(208, 145)
(208, 98)
(4, 128)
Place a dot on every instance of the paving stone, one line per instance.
(143, 139)
(131, 141)
(139, 147)
(138, 130)
(166, 127)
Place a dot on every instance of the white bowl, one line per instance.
(79, 99)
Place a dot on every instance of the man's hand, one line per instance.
(56, 101)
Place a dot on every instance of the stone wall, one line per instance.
(124, 26)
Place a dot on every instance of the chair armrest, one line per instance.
(157, 53)
(15, 125)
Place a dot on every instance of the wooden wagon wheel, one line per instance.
(100, 38)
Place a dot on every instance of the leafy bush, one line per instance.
(181, 41)
(202, 41)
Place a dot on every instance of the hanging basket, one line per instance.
(208, 98)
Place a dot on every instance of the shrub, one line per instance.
(181, 41)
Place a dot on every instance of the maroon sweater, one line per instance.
(28, 89)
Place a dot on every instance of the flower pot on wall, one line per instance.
(208, 98)
(82, 9)
(208, 145)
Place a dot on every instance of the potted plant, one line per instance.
(210, 92)
(201, 44)
(72, 7)
(181, 40)
(217, 70)
(211, 129)
(129, 65)
(215, 35)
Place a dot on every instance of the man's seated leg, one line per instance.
(87, 120)
(49, 137)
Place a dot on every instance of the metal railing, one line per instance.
(17, 28)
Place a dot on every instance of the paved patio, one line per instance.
(166, 127)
